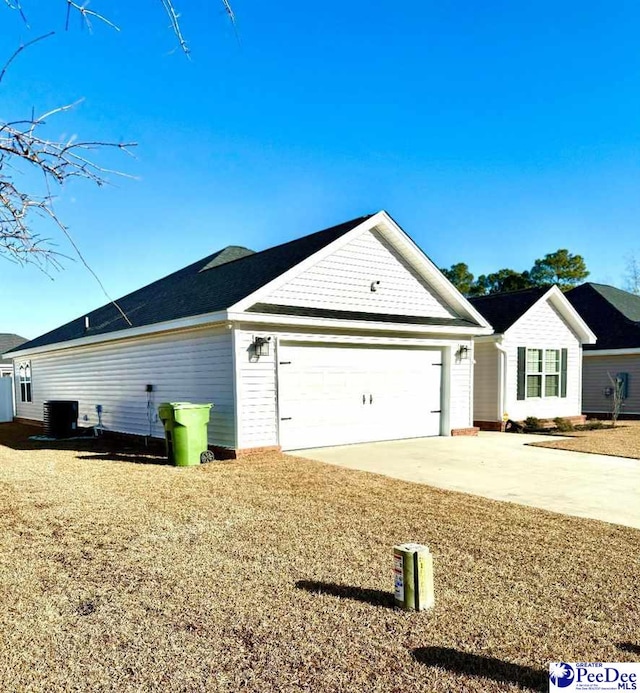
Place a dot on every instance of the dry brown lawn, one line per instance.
(274, 574)
(623, 440)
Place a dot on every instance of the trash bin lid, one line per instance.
(190, 405)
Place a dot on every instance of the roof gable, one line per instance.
(364, 275)
(512, 308)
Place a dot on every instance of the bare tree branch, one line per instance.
(174, 18)
(232, 17)
(57, 161)
(69, 237)
(617, 397)
(19, 50)
(18, 8)
(86, 16)
(25, 149)
(23, 146)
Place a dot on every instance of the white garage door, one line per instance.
(334, 395)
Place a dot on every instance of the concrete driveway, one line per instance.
(503, 467)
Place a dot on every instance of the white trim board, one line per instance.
(195, 322)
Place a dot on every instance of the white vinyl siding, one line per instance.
(258, 415)
(193, 366)
(256, 392)
(460, 392)
(343, 281)
(596, 370)
(486, 382)
(543, 328)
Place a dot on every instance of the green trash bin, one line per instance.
(185, 429)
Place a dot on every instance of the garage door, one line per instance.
(334, 395)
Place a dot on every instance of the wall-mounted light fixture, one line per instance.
(375, 285)
(261, 346)
(463, 352)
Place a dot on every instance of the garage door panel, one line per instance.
(333, 395)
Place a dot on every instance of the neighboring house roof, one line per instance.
(211, 284)
(9, 341)
(503, 309)
(613, 314)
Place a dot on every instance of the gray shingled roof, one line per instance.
(9, 341)
(212, 284)
(228, 254)
(502, 310)
(612, 314)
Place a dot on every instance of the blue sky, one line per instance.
(493, 132)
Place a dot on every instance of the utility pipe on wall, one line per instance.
(502, 380)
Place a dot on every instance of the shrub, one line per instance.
(593, 425)
(532, 423)
(563, 425)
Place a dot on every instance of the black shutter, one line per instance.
(563, 373)
(522, 364)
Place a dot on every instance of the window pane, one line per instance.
(534, 360)
(551, 386)
(24, 377)
(534, 386)
(552, 361)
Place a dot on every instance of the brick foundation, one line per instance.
(490, 425)
(575, 420)
(471, 431)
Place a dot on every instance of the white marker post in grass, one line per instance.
(413, 577)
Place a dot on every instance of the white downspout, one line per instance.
(502, 379)
(472, 369)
